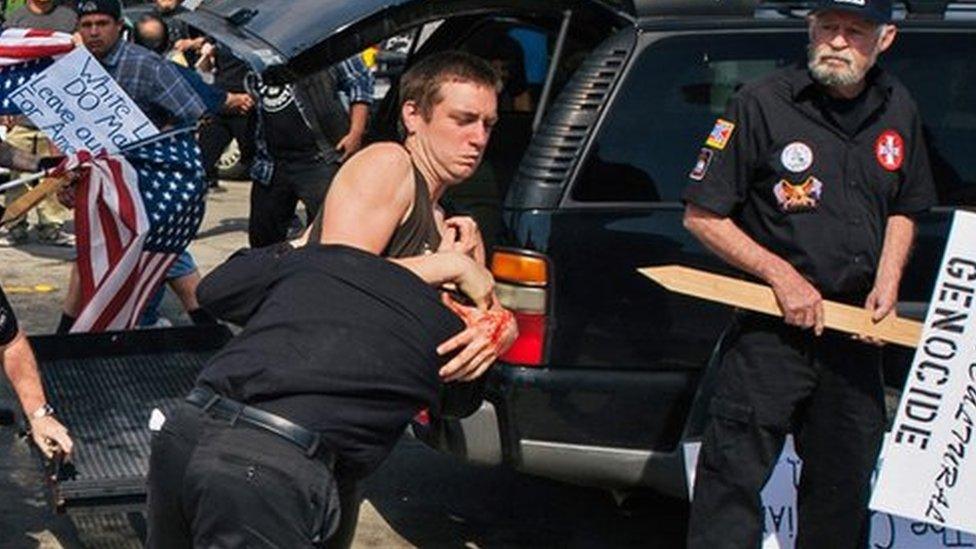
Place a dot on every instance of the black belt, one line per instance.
(222, 407)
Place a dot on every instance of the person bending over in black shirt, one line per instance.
(338, 353)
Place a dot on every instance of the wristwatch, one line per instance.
(43, 411)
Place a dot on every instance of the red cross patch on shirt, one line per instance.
(889, 149)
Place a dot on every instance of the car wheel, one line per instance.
(229, 165)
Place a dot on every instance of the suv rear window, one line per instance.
(678, 86)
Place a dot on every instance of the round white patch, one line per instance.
(796, 157)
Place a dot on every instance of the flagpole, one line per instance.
(158, 137)
(148, 141)
(23, 180)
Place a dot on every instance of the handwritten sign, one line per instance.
(80, 106)
(928, 469)
(780, 524)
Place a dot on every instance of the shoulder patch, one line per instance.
(720, 134)
(889, 149)
(701, 165)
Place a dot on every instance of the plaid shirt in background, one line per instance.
(155, 85)
(353, 79)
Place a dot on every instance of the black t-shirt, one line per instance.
(285, 131)
(335, 339)
(176, 29)
(230, 72)
(8, 322)
(781, 167)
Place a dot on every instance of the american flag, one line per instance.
(24, 53)
(135, 212)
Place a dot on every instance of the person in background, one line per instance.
(183, 276)
(20, 367)
(22, 134)
(235, 122)
(297, 157)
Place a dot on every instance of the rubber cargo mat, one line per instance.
(103, 387)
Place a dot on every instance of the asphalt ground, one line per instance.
(418, 498)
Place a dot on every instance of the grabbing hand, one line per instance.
(50, 436)
(464, 236)
(487, 336)
(348, 145)
(880, 303)
(799, 301)
(239, 103)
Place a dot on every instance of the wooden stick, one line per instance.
(760, 298)
(32, 198)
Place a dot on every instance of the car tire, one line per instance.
(229, 166)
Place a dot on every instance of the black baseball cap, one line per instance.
(108, 7)
(878, 11)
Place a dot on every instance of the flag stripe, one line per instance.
(19, 45)
(157, 269)
(140, 209)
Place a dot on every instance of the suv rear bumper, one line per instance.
(491, 436)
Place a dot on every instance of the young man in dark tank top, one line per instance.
(385, 198)
(340, 347)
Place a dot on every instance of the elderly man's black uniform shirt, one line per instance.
(8, 322)
(814, 180)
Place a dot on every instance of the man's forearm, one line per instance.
(723, 237)
(899, 235)
(434, 269)
(21, 368)
(358, 116)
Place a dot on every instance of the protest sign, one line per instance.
(928, 472)
(781, 521)
(79, 106)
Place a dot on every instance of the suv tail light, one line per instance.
(522, 278)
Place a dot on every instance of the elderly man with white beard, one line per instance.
(809, 182)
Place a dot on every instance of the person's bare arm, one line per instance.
(21, 368)
(899, 235)
(800, 302)
(369, 197)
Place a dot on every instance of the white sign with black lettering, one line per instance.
(928, 470)
(780, 520)
(80, 106)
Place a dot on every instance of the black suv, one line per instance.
(581, 186)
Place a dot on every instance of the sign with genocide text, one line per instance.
(780, 521)
(928, 466)
(79, 106)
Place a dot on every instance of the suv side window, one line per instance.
(670, 97)
(677, 86)
(942, 86)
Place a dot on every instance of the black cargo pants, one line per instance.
(214, 484)
(776, 379)
(273, 205)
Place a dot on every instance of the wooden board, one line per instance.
(760, 298)
(32, 198)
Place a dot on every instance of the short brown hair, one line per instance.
(422, 82)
